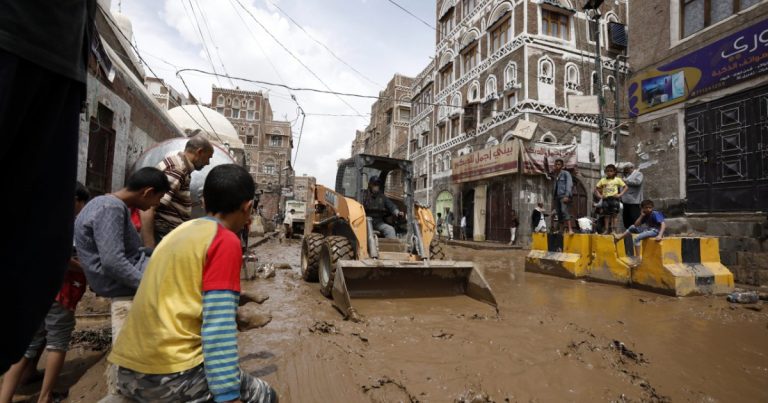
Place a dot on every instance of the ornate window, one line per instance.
(447, 161)
(438, 164)
(555, 24)
(572, 77)
(546, 71)
(490, 88)
(474, 91)
(220, 100)
(510, 74)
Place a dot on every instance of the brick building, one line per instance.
(302, 185)
(268, 142)
(499, 67)
(164, 94)
(699, 91)
(387, 133)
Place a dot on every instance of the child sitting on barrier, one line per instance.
(650, 224)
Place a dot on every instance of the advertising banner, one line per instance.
(539, 158)
(502, 159)
(726, 62)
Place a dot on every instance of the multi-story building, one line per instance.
(387, 132)
(302, 185)
(268, 142)
(699, 91)
(164, 94)
(503, 76)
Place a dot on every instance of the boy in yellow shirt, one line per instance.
(610, 189)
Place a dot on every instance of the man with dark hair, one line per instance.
(43, 62)
(182, 345)
(563, 192)
(106, 240)
(633, 178)
(176, 206)
(650, 224)
(378, 206)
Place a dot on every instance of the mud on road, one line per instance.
(553, 340)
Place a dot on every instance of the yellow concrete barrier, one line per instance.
(559, 255)
(676, 266)
(683, 266)
(612, 261)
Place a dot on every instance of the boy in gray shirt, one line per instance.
(109, 247)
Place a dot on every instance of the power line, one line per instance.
(324, 45)
(136, 50)
(213, 41)
(196, 24)
(292, 54)
(412, 14)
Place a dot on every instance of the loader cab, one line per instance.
(396, 176)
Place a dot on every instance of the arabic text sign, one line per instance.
(502, 159)
(539, 158)
(731, 60)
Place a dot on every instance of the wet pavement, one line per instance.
(554, 339)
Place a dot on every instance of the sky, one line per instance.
(373, 36)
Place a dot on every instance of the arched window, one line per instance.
(490, 87)
(251, 104)
(438, 164)
(236, 103)
(220, 100)
(447, 161)
(546, 78)
(474, 91)
(508, 136)
(548, 137)
(572, 77)
(456, 103)
(546, 71)
(250, 130)
(610, 84)
(510, 74)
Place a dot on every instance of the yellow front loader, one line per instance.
(348, 257)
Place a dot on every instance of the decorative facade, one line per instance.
(387, 132)
(498, 63)
(268, 142)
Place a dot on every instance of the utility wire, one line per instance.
(213, 41)
(293, 55)
(196, 24)
(324, 46)
(412, 14)
(136, 50)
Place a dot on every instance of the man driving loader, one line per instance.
(377, 206)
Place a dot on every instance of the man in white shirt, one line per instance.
(463, 227)
(288, 224)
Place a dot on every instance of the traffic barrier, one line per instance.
(559, 255)
(683, 266)
(612, 261)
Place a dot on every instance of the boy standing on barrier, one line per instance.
(650, 224)
(179, 342)
(610, 189)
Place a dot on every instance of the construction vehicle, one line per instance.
(299, 215)
(345, 254)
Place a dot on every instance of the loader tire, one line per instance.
(436, 250)
(310, 256)
(334, 248)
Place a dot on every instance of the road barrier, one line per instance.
(676, 266)
(560, 255)
(683, 266)
(612, 261)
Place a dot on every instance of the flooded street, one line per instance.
(553, 340)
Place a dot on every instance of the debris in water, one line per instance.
(471, 396)
(266, 271)
(93, 339)
(442, 335)
(282, 266)
(386, 389)
(626, 352)
(477, 316)
(324, 327)
(360, 336)
(249, 317)
(247, 297)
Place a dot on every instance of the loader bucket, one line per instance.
(371, 278)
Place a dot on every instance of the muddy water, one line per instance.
(553, 340)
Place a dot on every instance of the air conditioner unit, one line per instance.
(618, 38)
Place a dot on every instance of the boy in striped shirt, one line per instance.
(179, 342)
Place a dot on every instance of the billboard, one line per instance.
(539, 158)
(502, 159)
(723, 63)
